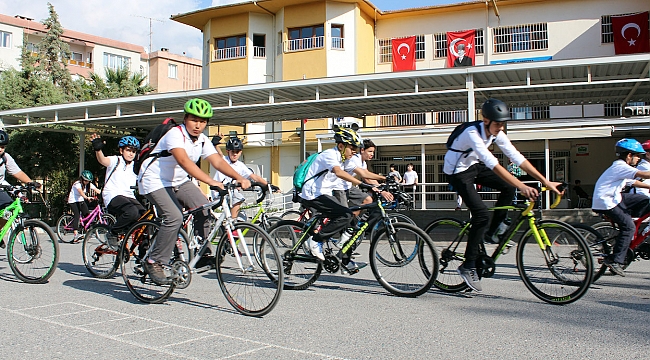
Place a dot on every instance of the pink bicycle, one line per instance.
(65, 230)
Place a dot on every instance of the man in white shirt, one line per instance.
(644, 165)
(468, 162)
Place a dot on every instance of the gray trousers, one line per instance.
(169, 202)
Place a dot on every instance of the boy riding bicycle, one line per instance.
(619, 207)
(468, 162)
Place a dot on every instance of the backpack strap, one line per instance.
(4, 159)
(112, 171)
(476, 124)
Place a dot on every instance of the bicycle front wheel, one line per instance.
(403, 259)
(609, 233)
(64, 230)
(250, 276)
(394, 217)
(33, 252)
(599, 246)
(445, 236)
(300, 269)
(560, 273)
(99, 255)
(107, 219)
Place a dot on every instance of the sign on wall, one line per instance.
(582, 149)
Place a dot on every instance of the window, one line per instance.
(386, 49)
(31, 47)
(530, 113)
(115, 62)
(77, 56)
(305, 38)
(440, 41)
(419, 47)
(612, 109)
(233, 47)
(259, 45)
(520, 38)
(606, 32)
(337, 36)
(5, 39)
(172, 71)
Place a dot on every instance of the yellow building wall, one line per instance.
(365, 40)
(228, 72)
(308, 63)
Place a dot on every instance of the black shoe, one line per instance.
(487, 239)
(2, 244)
(614, 267)
(156, 273)
(206, 260)
(470, 277)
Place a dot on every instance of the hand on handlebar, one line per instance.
(558, 187)
(387, 195)
(245, 184)
(529, 192)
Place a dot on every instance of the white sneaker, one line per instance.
(316, 249)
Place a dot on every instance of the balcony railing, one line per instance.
(304, 44)
(236, 52)
(259, 51)
(337, 43)
(80, 63)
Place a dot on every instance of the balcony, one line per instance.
(259, 52)
(237, 52)
(88, 65)
(337, 43)
(304, 44)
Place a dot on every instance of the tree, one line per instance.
(119, 83)
(55, 53)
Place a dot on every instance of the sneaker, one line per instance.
(77, 238)
(470, 277)
(352, 267)
(206, 260)
(156, 273)
(316, 249)
(614, 267)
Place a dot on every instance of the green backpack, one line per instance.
(300, 175)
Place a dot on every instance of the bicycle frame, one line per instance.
(16, 208)
(86, 221)
(638, 238)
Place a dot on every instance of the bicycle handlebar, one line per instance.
(558, 198)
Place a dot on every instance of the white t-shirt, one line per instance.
(162, 172)
(238, 166)
(9, 166)
(607, 192)
(324, 184)
(457, 162)
(75, 196)
(643, 165)
(410, 177)
(349, 166)
(120, 181)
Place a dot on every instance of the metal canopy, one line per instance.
(617, 79)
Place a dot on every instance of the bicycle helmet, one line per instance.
(129, 141)
(199, 108)
(495, 110)
(347, 136)
(629, 146)
(4, 138)
(234, 143)
(87, 175)
(646, 145)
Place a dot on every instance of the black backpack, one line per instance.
(459, 130)
(150, 142)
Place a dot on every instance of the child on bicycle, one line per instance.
(468, 162)
(621, 207)
(118, 194)
(164, 180)
(79, 194)
(324, 174)
(643, 165)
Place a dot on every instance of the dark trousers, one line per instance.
(339, 216)
(78, 209)
(126, 211)
(463, 184)
(632, 205)
(5, 199)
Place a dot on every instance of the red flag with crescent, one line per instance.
(461, 50)
(404, 53)
(631, 33)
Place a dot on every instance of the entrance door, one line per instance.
(560, 173)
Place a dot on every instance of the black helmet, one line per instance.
(495, 110)
(234, 143)
(4, 138)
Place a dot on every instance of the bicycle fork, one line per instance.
(236, 237)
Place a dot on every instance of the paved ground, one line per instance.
(77, 317)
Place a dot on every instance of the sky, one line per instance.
(128, 20)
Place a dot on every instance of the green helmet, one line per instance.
(87, 175)
(198, 107)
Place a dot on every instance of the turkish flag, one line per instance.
(631, 33)
(404, 53)
(461, 50)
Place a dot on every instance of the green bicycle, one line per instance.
(32, 250)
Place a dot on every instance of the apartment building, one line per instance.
(172, 72)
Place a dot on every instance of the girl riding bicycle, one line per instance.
(79, 194)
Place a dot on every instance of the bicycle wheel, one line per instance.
(33, 252)
(599, 246)
(394, 217)
(609, 233)
(100, 257)
(251, 277)
(132, 257)
(107, 219)
(291, 215)
(64, 230)
(444, 234)
(414, 262)
(560, 273)
(302, 269)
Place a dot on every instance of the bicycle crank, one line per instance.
(331, 263)
(181, 274)
(485, 266)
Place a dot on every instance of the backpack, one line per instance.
(300, 175)
(150, 142)
(459, 130)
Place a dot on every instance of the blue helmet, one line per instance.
(129, 141)
(629, 146)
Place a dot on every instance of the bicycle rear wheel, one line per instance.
(444, 234)
(64, 230)
(560, 273)
(33, 252)
(600, 247)
(291, 215)
(107, 219)
(413, 264)
(609, 233)
(100, 257)
(251, 277)
(302, 269)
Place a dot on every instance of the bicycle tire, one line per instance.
(132, 255)
(444, 234)
(399, 217)
(66, 236)
(35, 260)
(564, 278)
(100, 258)
(291, 215)
(254, 288)
(599, 246)
(407, 277)
(301, 272)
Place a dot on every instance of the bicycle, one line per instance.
(553, 259)
(301, 215)
(32, 252)
(65, 228)
(402, 257)
(247, 263)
